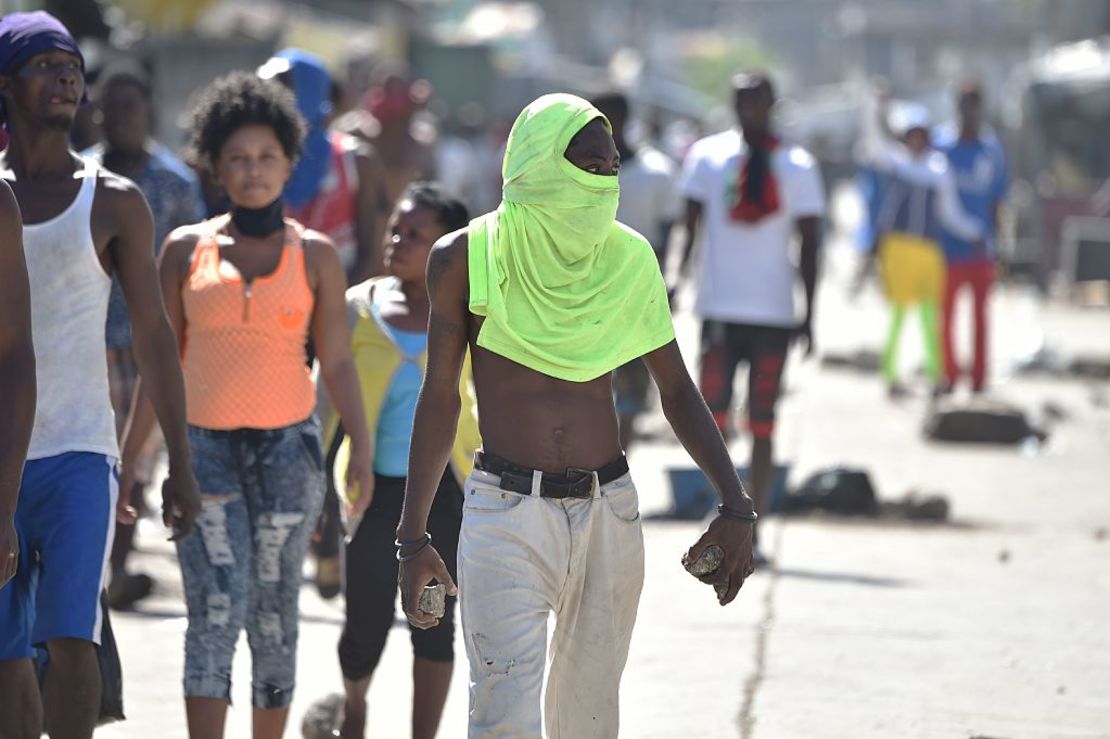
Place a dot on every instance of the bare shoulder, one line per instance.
(316, 241)
(448, 260)
(188, 234)
(318, 247)
(180, 243)
(119, 191)
(323, 267)
(9, 208)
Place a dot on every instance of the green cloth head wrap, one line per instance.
(564, 288)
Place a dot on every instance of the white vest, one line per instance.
(69, 306)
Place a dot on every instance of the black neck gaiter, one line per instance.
(259, 222)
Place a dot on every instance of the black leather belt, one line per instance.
(576, 483)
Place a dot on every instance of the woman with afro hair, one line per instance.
(245, 291)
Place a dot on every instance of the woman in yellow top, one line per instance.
(389, 318)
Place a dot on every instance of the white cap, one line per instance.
(273, 67)
(904, 117)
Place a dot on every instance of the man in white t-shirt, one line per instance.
(650, 203)
(750, 194)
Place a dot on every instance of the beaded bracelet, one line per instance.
(725, 512)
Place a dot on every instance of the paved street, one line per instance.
(993, 625)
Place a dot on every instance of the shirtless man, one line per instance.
(81, 225)
(551, 520)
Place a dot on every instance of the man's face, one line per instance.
(48, 88)
(126, 116)
(970, 106)
(753, 107)
(917, 140)
(592, 149)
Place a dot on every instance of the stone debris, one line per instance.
(861, 360)
(433, 601)
(1090, 368)
(708, 563)
(980, 421)
(323, 718)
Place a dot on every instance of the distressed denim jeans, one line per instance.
(522, 557)
(261, 491)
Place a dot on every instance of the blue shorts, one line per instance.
(65, 521)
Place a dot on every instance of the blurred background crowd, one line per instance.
(446, 78)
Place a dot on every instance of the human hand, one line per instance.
(734, 537)
(360, 476)
(365, 497)
(9, 549)
(180, 503)
(125, 512)
(414, 575)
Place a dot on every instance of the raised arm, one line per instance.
(877, 145)
(692, 423)
(437, 416)
(17, 375)
(154, 344)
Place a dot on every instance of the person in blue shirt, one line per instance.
(920, 200)
(978, 162)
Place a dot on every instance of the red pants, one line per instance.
(980, 276)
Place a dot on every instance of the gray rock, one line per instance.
(708, 563)
(433, 600)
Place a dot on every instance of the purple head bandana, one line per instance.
(25, 35)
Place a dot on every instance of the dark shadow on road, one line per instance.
(842, 577)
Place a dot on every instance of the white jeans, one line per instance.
(522, 557)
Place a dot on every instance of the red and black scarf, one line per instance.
(757, 193)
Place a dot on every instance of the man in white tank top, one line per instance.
(81, 225)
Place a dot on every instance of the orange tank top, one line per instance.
(244, 359)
